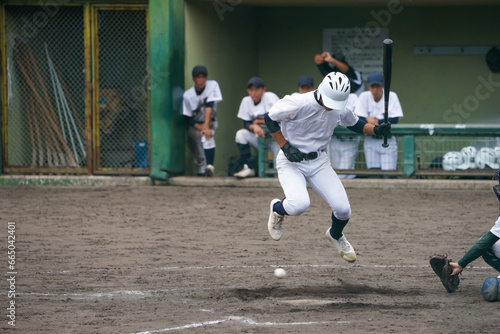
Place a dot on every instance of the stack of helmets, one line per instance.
(452, 160)
(487, 157)
(469, 154)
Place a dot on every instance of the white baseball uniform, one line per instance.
(343, 150)
(194, 106)
(249, 111)
(376, 156)
(308, 126)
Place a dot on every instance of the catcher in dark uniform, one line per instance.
(488, 246)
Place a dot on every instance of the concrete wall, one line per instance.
(228, 45)
(428, 86)
(279, 43)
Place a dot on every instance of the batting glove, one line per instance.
(383, 129)
(292, 153)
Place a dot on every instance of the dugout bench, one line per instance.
(420, 148)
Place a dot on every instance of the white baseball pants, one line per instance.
(378, 157)
(320, 176)
(342, 152)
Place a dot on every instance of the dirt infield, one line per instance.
(199, 260)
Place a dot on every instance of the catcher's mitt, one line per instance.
(441, 266)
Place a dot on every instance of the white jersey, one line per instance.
(249, 111)
(194, 105)
(306, 124)
(367, 107)
(352, 99)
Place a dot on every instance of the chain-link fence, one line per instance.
(48, 123)
(123, 96)
(422, 150)
(46, 87)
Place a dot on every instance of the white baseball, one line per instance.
(280, 272)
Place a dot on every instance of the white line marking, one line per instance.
(342, 266)
(244, 320)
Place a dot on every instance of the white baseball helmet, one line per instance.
(334, 90)
(486, 158)
(469, 155)
(452, 160)
(497, 153)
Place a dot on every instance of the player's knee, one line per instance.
(343, 212)
(241, 136)
(295, 207)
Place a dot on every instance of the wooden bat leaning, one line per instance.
(387, 59)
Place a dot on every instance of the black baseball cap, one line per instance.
(256, 81)
(199, 69)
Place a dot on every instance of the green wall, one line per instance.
(427, 85)
(229, 48)
(279, 43)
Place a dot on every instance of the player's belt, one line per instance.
(311, 156)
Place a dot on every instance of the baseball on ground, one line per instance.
(279, 272)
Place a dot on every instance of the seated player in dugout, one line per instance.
(252, 110)
(326, 63)
(305, 84)
(200, 112)
(370, 107)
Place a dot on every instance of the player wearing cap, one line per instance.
(200, 111)
(370, 107)
(305, 84)
(302, 125)
(252, 110)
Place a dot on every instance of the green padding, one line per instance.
(409, 155)
(166, 60)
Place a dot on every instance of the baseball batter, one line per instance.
(370, 107)
(302, 125)
(252, 110)
(200, 111)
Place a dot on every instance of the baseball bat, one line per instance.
(387, 59)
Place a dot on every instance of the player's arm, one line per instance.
(478, 249)
(275, 130)
(341, 66)
(292, 153)
(369, 129)
(205, 127)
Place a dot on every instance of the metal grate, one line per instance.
(122, 70)
(46, 86)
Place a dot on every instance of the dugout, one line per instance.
(122, 67)
(439, 68)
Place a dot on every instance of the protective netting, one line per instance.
(47, 121)
(46, 86)
(122, 71)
